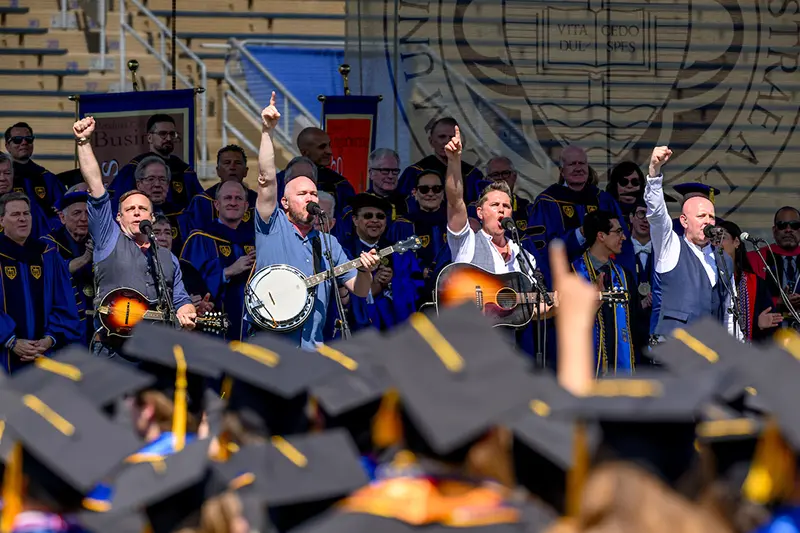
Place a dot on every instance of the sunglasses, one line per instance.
(794, 224)
(625, 181)
(17, 139)
(425, 189)
(368, 216)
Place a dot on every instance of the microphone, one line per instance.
(750, 238)
(146, 228)
(313, 208)
(538, 279)
(712, 232)
(508, 223)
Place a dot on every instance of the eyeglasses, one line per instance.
(641, 215)
(17, 139)
(150, 180)
(504, 174)
(425, 189)
(794, 224)
(618, 231)
(369, 216)
(166, 134)
(625, 181)
(387, 171)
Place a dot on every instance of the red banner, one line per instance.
(350, 122)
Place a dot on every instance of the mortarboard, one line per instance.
(697, 189)
(64, 445)
(72, 198)
(70, 178)
(366, 199)
(544, 442)
(181, 366)
(456, 377)
(99, 379)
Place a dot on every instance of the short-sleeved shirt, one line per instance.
(105, 232)
(279, 243)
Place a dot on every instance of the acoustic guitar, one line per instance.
(507, 299)
(123, 308)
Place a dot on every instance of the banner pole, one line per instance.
(77, 99)
(174, 46)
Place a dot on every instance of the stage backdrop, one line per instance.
(121, 132)
(351, 122)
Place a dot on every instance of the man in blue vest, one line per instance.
(692, 283)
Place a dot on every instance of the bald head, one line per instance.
(315, 144)
(574, 167)
(697, 213)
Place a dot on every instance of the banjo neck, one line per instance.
(316, 279)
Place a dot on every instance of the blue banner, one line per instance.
(351, 122)
(121, 132)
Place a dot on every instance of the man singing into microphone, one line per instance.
(691, 284)
(123, 253)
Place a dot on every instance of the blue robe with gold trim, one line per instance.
(61, 242)
(38, 298)
(471, 176)
(431, 228)
(210, 252)
(44, 190)
(201, 211)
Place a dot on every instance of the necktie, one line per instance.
(791, 273)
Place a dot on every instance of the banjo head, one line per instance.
(277, 298)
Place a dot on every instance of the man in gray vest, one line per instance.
(692, 285)
(123, 256)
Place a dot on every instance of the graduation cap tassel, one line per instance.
(576, 478)
(179, 414)
(12, 488)
(387, 428)
(767, 478)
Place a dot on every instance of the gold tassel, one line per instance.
(179, 413)
(576, 477)
(12, 488)
(771, 475)
(387, 428)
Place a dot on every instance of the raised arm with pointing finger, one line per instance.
(454, 185)
(267, 181)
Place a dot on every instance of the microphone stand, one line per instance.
(341, 322)
(775, 279)
(724, 276)
(164, 296)
(541, 330)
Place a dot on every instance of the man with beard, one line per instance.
(39, 309)
(222, 256)
(439, 134)
(394, 285)
(123, 255)
(38, 183)
(613, 343)
(782, 256)
(71, 241)
(162, 135)
(286, 235)
(231, 166)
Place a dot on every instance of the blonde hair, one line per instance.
(163, 411)
(217, 515)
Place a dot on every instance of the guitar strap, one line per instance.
(316, 247)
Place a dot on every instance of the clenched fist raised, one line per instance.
(84, 127)
(661, 155)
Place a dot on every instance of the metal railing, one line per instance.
(161, 54)
(294, 115)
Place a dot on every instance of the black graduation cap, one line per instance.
(456, 376)
(72, 198)
(695, 188)
(63, 444)
(366, 199)
(270, 379)
(70, 178)
(101, 380)
(702, 344)
(544, 441)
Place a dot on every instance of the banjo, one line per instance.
(280, 297)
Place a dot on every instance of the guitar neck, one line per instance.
(530, 297)
(316, 279)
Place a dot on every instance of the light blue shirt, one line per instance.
(279, 243)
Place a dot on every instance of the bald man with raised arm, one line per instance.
(285, 234)
(692, 285)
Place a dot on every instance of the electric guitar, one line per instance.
(507, 299)
(123, 308)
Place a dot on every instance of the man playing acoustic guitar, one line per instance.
(123, 256)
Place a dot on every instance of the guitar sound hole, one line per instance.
(507, 299)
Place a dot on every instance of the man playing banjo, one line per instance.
(286, 236)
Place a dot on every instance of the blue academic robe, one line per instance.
(784, 520)
(395, 303)
(201, 211)
(44, 190)
(38, 298)
(182, 188)
(210, 252)
(559, 211)
(469, 174)
(643, 317)
(62, 243)
(612, 333)
(431, 228)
